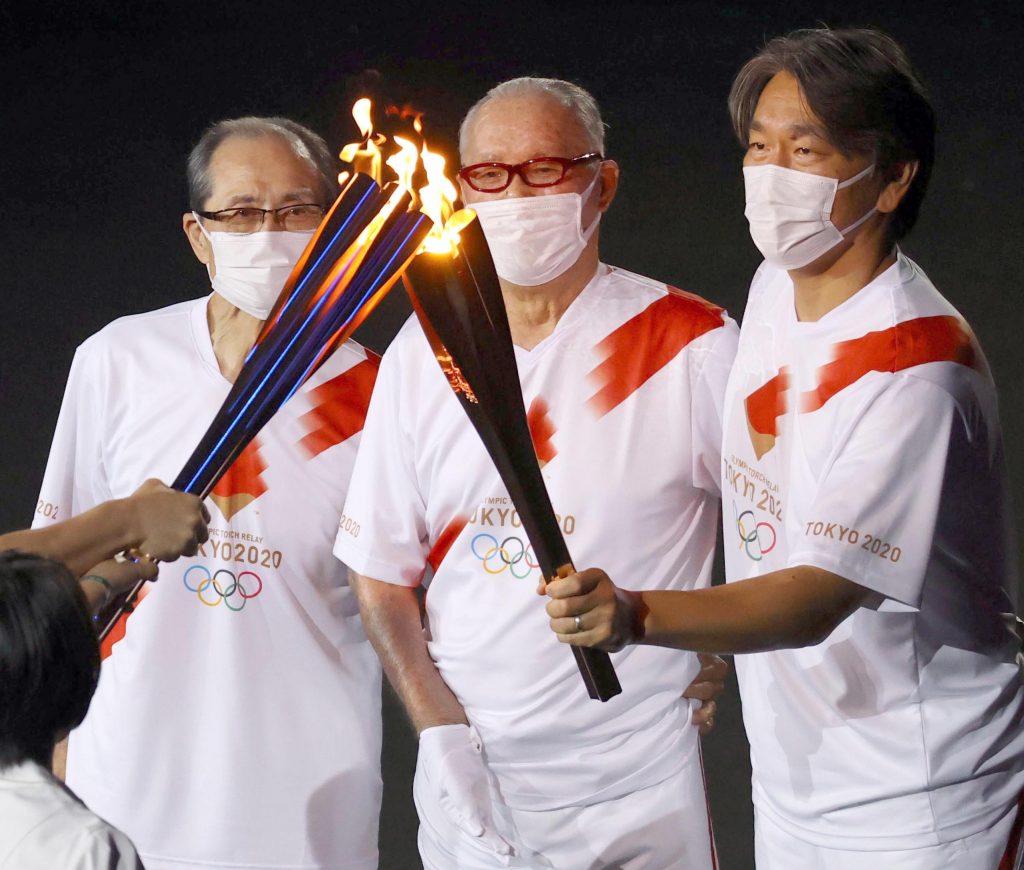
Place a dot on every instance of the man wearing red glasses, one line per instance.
(623, 379)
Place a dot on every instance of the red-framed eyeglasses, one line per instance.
(536, 172)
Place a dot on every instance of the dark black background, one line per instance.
(101, 103)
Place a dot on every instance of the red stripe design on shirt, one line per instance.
(903, 346)
(542, 429)
(646, 343)
(242, 482)
(764, 406)
(445, 540)
(339, 407)
(121, 626)
(767, 403)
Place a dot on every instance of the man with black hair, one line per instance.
(49, 667)
(868, 537)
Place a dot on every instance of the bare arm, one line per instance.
(82, 541)
(160, 522)
(794, 607)
(391, 617)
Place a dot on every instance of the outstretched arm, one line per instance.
(794, 607)
(159, 522)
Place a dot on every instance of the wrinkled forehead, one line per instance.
(260, 164)
(510, 129)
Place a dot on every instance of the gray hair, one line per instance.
(578, 100)
(306, 144)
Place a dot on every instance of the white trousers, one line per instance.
(664, 827)
(775, 849)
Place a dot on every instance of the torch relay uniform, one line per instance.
(237, 724)
(868, 444)
(44, 826)
(624, 405)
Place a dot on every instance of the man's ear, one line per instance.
(609, 183)
(901, 177)
(201, 246)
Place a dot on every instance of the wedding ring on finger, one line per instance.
(579, 623)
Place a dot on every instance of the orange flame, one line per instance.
(365, 155)
(436, 198)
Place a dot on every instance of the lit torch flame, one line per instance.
(365, 156)
(403, 162)
(436, 199)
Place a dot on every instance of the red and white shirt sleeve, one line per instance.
(386, 536)
(874, 514)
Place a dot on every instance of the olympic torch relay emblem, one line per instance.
(242, 484)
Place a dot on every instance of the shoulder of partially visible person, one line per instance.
(91, 845)
(47, 826)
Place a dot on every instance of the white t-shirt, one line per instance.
(868, 444)
(43, 826)
(624, 400)
(238, 722)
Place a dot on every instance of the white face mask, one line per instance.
(252, 267)
(789, 213)
(534, 239)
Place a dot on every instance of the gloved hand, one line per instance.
(453, 763)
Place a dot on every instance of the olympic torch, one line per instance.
(456, 295)
(355, 256)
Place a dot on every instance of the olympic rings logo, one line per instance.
(223, 585)
(511, 555)
(754, 541)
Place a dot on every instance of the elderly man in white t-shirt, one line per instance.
(868, 537)
(623, 378)
(237, 723)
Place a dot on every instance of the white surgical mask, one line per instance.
(252, 267)
(534, 239)
(789, 213)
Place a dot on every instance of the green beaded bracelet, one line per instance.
(104, 582)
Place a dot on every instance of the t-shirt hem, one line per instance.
(844, 568)
(872, 842)
(652, 774)
(157, 862)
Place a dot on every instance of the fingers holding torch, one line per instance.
(169, 523)
(163, 524)
(587, 609)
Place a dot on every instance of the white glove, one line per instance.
(453, 763)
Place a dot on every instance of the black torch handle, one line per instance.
(595, 665)
(526, 488)
(474, 349)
